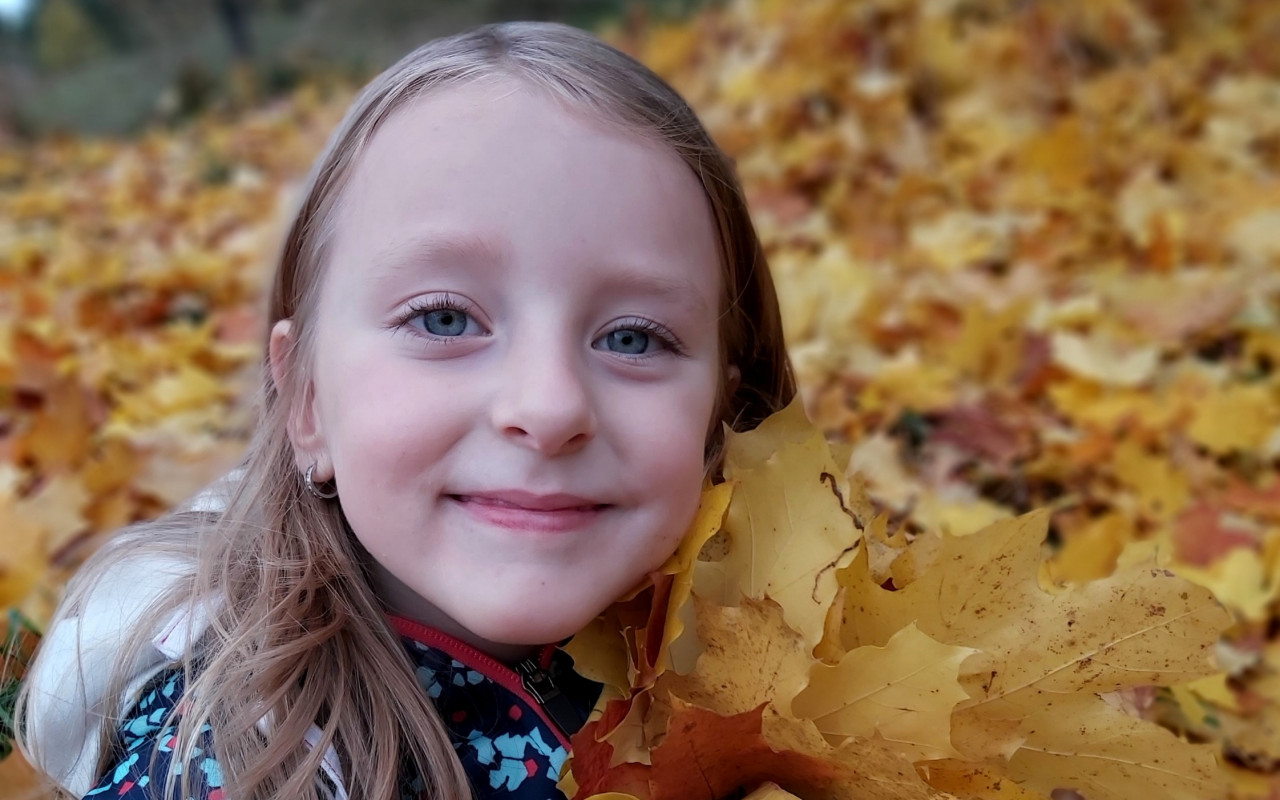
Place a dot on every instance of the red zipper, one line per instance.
(481, 662)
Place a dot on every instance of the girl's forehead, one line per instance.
(484, 98)
(498, 124)
(487, 121)
(501, 160)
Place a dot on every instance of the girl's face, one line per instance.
(516, 361)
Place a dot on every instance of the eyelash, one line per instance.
(668, 340)
(419, 307)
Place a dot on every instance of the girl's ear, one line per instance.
(733, 377)
(279, 349)
(304, 429)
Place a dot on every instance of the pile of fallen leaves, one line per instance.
(131, 284)
(132, 277)
(1029, 260)
(769, 650)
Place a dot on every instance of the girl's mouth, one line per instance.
(545, 513)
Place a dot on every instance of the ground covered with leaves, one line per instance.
(1029, 260)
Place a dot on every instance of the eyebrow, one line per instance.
(628, 280)
(474, 248)
(461, 248)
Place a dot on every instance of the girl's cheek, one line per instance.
(684, 508)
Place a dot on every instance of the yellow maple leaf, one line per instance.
(1239, 579)
(680, 644)
(957, 517)
(1143, 625)
(1161, 489)
(22, 554)
(601, 652)
(57, 509)
(1060, 159)
(905, 691)
(1082, 742)
(990, 342)
(789, 525)
(1199, 699)
(62, 435)
(1234, 418)
(911, 382)
(1088, 403)
(1214, 689)
(1091, 552)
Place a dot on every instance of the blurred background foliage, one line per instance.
(113, 66)
(1027, 253)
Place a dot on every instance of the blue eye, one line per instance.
(440, 319)
(628, 341)
(638, 339)
(445, 322)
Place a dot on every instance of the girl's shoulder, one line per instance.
(70, 687)
(144, 748)
(509, 726)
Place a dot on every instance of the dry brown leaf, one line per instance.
(964, 779)
(751, 657)
(705, 756)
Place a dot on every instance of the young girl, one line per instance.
(519, 302)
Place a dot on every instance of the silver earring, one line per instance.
(311, 486)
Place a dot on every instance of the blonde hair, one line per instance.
(298, 636)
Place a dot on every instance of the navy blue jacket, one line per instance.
(510, 727)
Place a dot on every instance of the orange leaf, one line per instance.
(1201, 537)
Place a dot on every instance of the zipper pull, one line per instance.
(538, 683)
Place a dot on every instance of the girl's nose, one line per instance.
(545, 403)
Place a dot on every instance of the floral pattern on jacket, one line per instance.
(509, 750)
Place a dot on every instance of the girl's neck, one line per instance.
(404, 602)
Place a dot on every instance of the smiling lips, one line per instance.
(518, 510)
